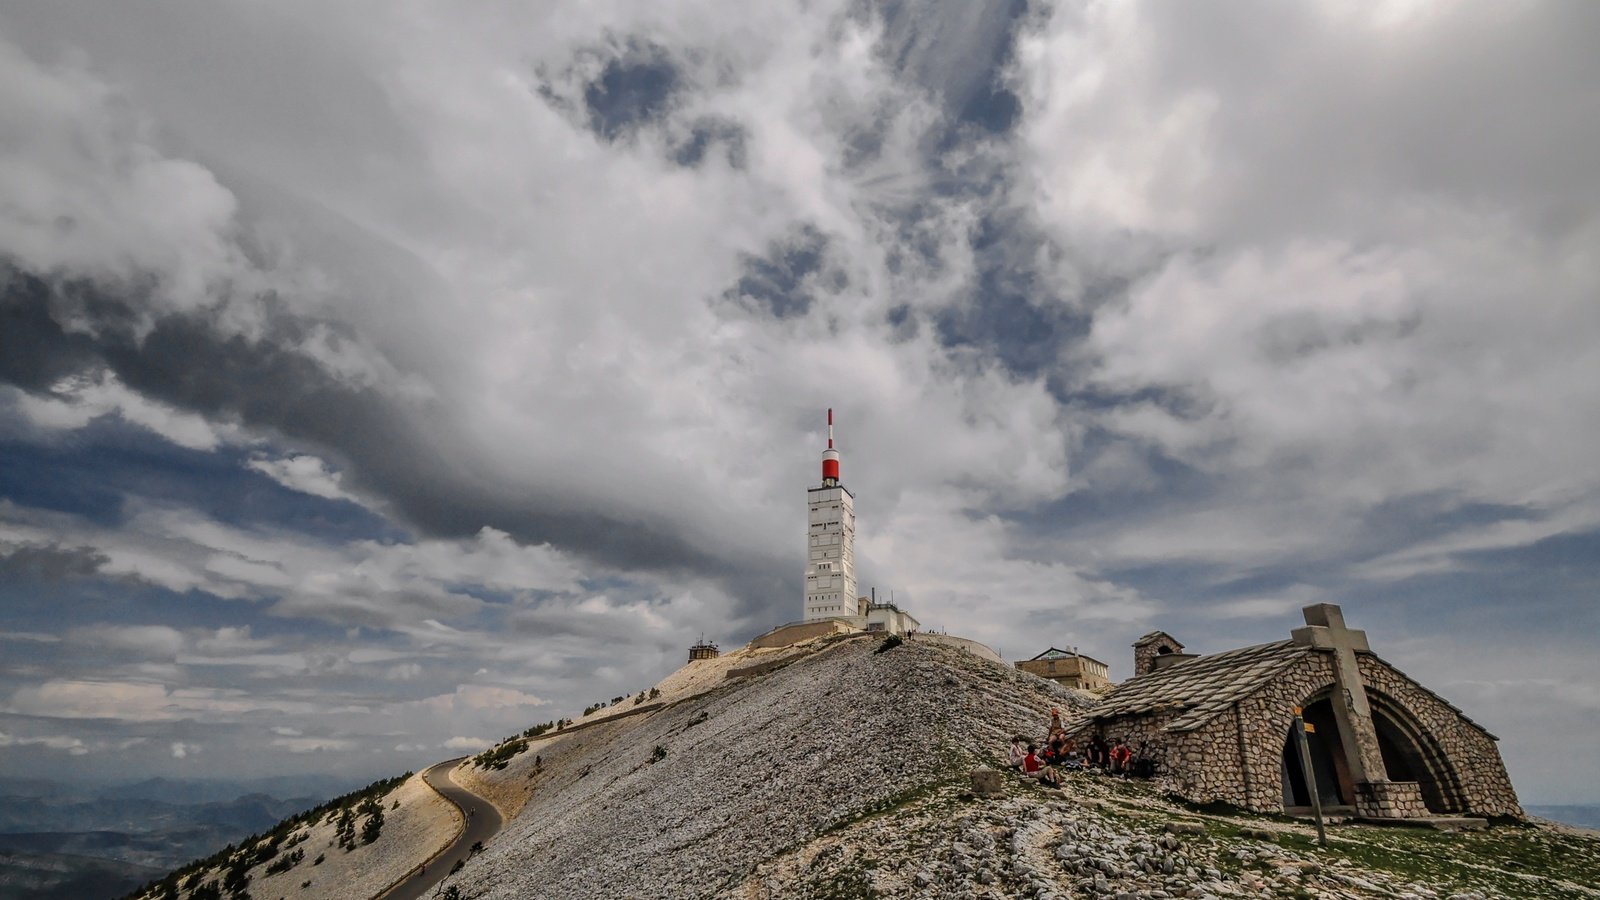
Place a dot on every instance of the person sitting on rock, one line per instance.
(1097, 752)
(1033, 767)
(1074, 756)
(1121, 757)
(1031, 763)
(1016, 754)
(1143, 766)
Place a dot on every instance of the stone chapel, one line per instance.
(1217, 728)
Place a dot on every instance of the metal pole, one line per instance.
(1310, 775)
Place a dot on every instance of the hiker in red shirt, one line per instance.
(1121, 757)
(1031, 764)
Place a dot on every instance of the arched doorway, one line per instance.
(1327, 762)
(1409, 754)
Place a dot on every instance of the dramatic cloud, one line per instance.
(373, 378)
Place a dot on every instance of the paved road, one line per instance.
(483, 821)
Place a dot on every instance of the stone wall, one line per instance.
(1237, 757)
(797, 632)
(1470, 754)
(1203, 765)
(1266, 716)
(1149, 647)
(1390, 800)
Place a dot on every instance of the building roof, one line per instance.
(1202, 687)
(1056, 653)
(1207, 685)
(1154, 636)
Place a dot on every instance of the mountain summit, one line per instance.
(843, 768)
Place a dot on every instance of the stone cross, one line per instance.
(1325, 630)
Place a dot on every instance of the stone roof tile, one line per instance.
(1204, 686)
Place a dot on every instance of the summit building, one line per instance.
(832, 601)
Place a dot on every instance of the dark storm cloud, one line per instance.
(94, 473)
(35, 352)
(49, 563)
(186, 362)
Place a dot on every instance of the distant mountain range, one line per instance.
(1587, 816)
(65, 840)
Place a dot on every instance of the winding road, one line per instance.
(482, 823)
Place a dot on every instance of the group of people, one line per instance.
(1061, 753)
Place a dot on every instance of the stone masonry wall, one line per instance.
(1267, 715)
(1390, 800)
(1472, 755)
(1237, 757)
(1201, 765)
(1144, 655)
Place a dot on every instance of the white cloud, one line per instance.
(365, 581)
(403, 672)
(89, 191)
(304, 473)
(467, 744)
(92, 700)
(73, 746)
(153, 641)
(78, 400)
(31, 637)
(312, 744)
(133, 701)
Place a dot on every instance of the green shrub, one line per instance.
(499, 757)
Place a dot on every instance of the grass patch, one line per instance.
(1515, 860)
(890, 804)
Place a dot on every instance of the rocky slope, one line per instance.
(307, 861)
(833, 770)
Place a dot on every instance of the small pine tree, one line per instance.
(373, 826)
(237, 879)
(347, 829)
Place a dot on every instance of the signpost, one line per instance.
(1300, 729)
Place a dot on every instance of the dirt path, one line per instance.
(482, 823)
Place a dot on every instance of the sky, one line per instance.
(378, 380)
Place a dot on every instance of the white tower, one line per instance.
(830, 542)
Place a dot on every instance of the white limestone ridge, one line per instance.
(831, 769)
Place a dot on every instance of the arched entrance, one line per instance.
(1409, 754)
(1327, 762)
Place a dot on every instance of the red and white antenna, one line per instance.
(830, 456)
